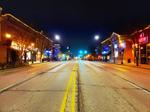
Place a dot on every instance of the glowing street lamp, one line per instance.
(85, 52)
(80, 52)
(96, 37)
(57, 37)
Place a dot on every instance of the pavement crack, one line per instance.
(106, 86)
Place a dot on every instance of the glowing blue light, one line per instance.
(81, 52)
(85, 52)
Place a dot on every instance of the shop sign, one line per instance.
(143, 38)
(105, 49)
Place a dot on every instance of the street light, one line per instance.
(57, 37)
(96, 37)
(80, 52)
(85, 52)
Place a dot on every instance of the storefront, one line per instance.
(141, 45)
(20, 43)
(106, 53)
(144, 51)
(119, 50)
(106, 50)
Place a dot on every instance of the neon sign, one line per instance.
(143, 38)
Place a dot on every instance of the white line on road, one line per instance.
(130, 82)
(57, 68)
(138, 87)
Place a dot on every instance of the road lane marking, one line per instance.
(71, 86)
(139, 87)
(57, 68)
(147, 91)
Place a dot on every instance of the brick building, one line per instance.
(141, 45)
(134, 48)
(118, 49)
(19, 42)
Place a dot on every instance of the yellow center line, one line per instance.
(71, 83)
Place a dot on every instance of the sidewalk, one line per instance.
(136, 75)
(143, 66)
(10, 77)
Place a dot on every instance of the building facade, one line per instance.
(134, 48)
(141, 45)
(106, 50)
(19, 43)
(118, 49)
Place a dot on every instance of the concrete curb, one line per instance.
(128, 80)
(133, 66)
(25, 80)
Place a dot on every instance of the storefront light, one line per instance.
(143, 38)
(32, 44)
(8, 36)
(141, 47)
(122, 45)
(28, 55)
(116, 54)
(14, 45)
(136, 45)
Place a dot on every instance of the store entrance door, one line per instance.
(143, 54)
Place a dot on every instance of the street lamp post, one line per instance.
(32, 52)
(137, 54)
(97, 38)
(56, 47)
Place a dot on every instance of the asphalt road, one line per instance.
(104, 89)
(100, 88)
(43, 93)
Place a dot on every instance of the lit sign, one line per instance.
(105, 49)
(143, 38)
(115, 46)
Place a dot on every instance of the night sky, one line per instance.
(77, 21)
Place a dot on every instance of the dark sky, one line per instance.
(77, 21)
